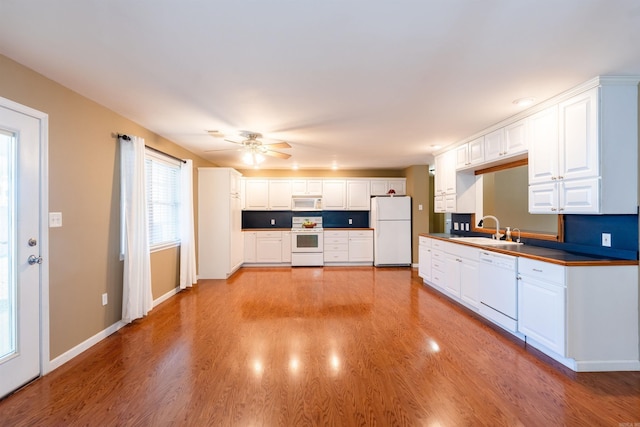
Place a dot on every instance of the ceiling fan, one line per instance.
(253, 148)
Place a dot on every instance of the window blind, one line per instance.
(163, 199)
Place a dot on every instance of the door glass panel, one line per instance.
(7, 247)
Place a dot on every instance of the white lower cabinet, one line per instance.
(267, 247)
(424, 258)
(348, 246)
(462, 280)
(541, 303)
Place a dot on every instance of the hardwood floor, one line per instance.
(318, 346)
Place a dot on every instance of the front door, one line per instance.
(20, 243)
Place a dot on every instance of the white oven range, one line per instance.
(307, 243)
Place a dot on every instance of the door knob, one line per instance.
(34, 260)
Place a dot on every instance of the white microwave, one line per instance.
(306, 203)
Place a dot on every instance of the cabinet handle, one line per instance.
(561, 209)
(553, 209)
(537, 270)
(519, 278)
(560, 177)
(553, 178)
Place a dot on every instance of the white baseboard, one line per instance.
(165, 297)
(85, 345)
(607, 365)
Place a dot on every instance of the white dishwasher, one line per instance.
(499, 289)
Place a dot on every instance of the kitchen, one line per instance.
(463, 91)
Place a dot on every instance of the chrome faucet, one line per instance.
(498, 235)
(514, 230)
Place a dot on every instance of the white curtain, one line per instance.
(137, 299)
(187, 234)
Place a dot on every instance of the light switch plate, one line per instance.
(55, 219)
(606, 240)
(455, 226)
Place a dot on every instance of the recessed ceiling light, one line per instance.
(524, 102)
(334, 167)
(294, 167)
(436, 146)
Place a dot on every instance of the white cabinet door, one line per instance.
(334, 194)
(462, 156)
(286, 246)
(269, 247)
(249, 246)
(543, 198)
(424, 261)
(450, 172)
(438, 204)
(578, 130)
(306, 187)
(452, 274)
(378, 187)
(541, 312)
(475, 152)
(256, 195)
(579, 196)
(440, 175)
(398, 185)
(470, 282)
(236, 252)
(515, 138)
(280, 194)
(361, 246)
(358, 195)
(543, 152)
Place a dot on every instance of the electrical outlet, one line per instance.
(466, 226)
(273, 222)
(350, 221)
(606, 239)
(105, 299)
(455, 226)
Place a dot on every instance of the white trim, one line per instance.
(43, 118)
(85, 345)
(163, 298)
(607, 365)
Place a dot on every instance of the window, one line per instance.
(163, 200)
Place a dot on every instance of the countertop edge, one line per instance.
(586, 263)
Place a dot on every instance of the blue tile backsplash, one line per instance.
(282, 219)
(583, 234)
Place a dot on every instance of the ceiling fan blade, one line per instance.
(223, 149)
(234, 142)
(277, 154)
(280, 144)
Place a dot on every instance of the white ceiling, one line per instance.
(362, 83)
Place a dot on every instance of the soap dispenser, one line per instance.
(508, 234)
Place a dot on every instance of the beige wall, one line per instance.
(84, 185)
(418, 189)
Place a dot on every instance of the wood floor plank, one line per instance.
(319, 346)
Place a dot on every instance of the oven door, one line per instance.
(306, 241)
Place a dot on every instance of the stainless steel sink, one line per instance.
(484, 241)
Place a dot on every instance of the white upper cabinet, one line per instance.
(358, 195)
(306, 187)
(280, 194)
(263, 194)
(578, 136)
(445, 182)
(256, 194)
(585, 148)
(543, 153)
(471, 153)
(516, 138)
(381, 186)
(334, 194)
(506, 142)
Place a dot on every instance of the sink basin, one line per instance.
(485, 241)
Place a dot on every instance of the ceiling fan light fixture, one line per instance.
(252, 157)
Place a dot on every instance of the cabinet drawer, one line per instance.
(361, 233)
(268, 234)
(424, 241)
(336, 240)
(437, 264)
(336, 247)
(541, 270)
(335, 234)
(437, 277)
(336, 256)
(438, 244)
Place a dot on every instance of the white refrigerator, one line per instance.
(391, 220)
